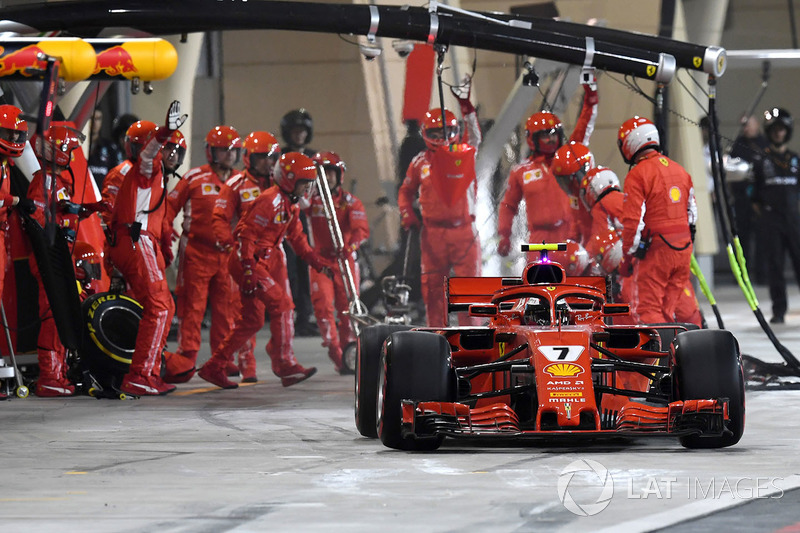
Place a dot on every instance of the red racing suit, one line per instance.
(659, 206)
(449, 238)
(203, 275)
(5, 205)
(259, 235)
(51, 353)
(549, 214)
(328, 293)
(142, 201)
(236, 197)
(111, 185)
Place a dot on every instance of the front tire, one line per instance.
(367, 370)
(708, 365)
(415, 365)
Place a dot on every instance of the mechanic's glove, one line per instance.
(504, 246)
(102, 206)
(319, 263)
(249, 281)
(626, 266)
(25, 205)
(69, 208)
(590, 96)
(69, 234)
(174, 118)
(409, 219)
(462, 93)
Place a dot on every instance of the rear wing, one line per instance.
(465, 291)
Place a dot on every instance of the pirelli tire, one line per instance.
(111, 324)
(708, 365)
(416, 366)
(367, 368)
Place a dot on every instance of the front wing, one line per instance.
(499, 421)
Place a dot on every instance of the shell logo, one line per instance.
(563, 370)
(675, 194)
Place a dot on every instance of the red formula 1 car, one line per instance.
(549, 364)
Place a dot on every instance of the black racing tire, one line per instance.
(367, 370)
(668, 335)
(111, 324)
(708, 365)
(415, 365)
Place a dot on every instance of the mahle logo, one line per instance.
(597, 475)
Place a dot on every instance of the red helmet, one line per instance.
(637, 134)
(225, 138)
(260, 142)
(596, 184)
(57, 144)
(570, 164)
(574, 260)
(13, 131)
(87, 261)
(432, 128)
(606, 249)
(331, 160)
(293, 167)
(540, 124)
(175, 144)
(137, 136)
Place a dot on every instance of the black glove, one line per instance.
(26, 205)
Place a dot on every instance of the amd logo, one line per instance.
(565, 382)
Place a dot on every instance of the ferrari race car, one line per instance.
(548, 364)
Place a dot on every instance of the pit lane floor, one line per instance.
(265, 458)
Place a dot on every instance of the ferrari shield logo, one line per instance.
(651, 70)
(664, 161)
(697, 61)
(532, 175)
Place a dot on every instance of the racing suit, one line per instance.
(51, 353)
(259, 235)
(449, 238)
(550, 216)
(111, 185)
(203, 275)
(139, 239)
(607, 214)
(658, 207)
(328, 293)
(775, 198)
(236, 197)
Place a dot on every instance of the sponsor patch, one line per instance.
(563, 370)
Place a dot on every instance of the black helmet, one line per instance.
(296, 117)
(120, 125)
(775, 116)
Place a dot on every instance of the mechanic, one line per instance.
(775, 200)
(547, 208)
(108, 153)
(447, 192)
(297, 130)
(135, 138)
(140, 248)
(261, 151)
(329, 293)
(659, 214)
(13, 137)
(258, 266)
(203, 276)
(571, 164)
(54, 151)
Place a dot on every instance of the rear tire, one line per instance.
(708, 365)
(367, 370)
(415, 365)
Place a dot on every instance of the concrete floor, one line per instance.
(265, 458)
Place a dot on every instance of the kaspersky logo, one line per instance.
(563, 370)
